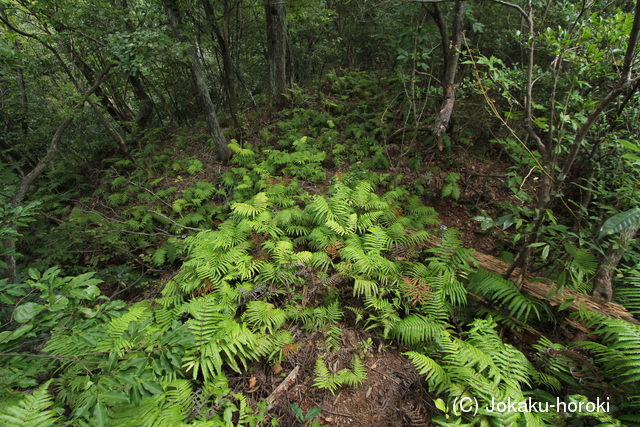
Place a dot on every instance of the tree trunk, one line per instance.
(624, 84)
(145, 110)
(222, 37)
(120, 116)
(27, 180)
(451, 59)
(202, 91)
(602, 282)
(277, 42)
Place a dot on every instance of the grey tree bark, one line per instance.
(223, 39)
(202, 91)
(451, 53)
(277, 47)
(603, 280)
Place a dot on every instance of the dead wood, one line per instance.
(541, 289)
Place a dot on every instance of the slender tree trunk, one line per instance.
(277, 42)
(625, 83)
(117, 114)
(222, 37)
(162, 99)
(145, 110)
(202, 91)
(602, 282)
(30, 178)
(24, 100)
(451, 59)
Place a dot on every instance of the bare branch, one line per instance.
(177, 224)
(633, 43)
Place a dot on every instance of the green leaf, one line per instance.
(506, 221)
(566, 304)
(58, 302)
(134, 396)
(100, 414)
(127, 378)
(27, 311)
(619, 222)
(7, 336)
(115, 397)
(153, 387)
(312, 413)
(111, 362)
(34, 274)
(7, 299)
(629, 145)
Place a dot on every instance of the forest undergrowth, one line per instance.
(330, 257)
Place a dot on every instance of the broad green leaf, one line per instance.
(619, 222)
(134, 396)
(34, 274)
(153, 387)
(566, 304)
(312, 413)
(7, 336)
(100, 414)
(115, 396)
(27, 311)
(58, 302)
(127, 377)
(7, 299)
(629, 145)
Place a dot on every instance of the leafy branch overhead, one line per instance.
(244, 213)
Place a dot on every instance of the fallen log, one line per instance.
(541, 289)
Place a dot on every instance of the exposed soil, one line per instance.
(392, 395)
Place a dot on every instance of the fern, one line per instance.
(219, 340)
(331, 381)
(172, 407)
(324, 378)
(619, 352)
(242, 156)
(32, 410)
(628, 292)
(130, 323)
(482, 367)
(578, 272)
(263, 316)
(415, 329)
(504, 293)
(435, 375)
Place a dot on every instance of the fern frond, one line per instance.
(376, 240)
(32, 410)
(504, 292)
(416, 328)
(355, 376)
(363, 287)
(263, 316)
(324, 378)
(619, 352)
(628, 292)
(438, 379)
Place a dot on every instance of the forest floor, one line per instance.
(393, 394)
